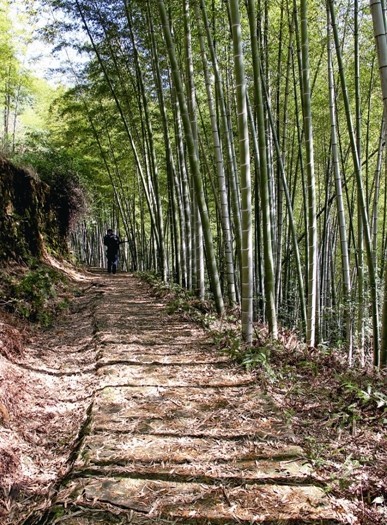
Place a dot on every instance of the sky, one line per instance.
(40, 56)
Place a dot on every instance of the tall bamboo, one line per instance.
(228, 137)
(224, 206)
(152, 153)
(360, 235)
(340, 202)
(263, 178)
(173, 183)
(362, 202)
(381, 46)
(194, 162)
(197, 227)
(309, 155)
(124, 121)
(244, 156)
(289, 204)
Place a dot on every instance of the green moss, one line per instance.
(35, 294)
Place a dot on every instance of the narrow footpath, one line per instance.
(175, 432)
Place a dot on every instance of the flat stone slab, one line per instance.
(152, 323)
(290, 473)
(124, 333)
(124, 402)
(193, 411)
(196, 427)
(98, 516)
(202, 503)
(173, 457)
(182, 376)
(136, 353)
(103, 448)
(130, 310)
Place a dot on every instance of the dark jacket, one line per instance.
(112, 242)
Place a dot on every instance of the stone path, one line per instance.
(177, 433)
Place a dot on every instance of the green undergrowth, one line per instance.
(35, 291)
(340, 412)
(337, 413)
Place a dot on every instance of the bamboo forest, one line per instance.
(237, 145)
(237, 150)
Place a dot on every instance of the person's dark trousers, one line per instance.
(112, 263)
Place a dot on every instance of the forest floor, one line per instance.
(126, 413)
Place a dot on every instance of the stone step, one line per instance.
(148, 375)
(224, 412)
(174, 401)
(199, 503)
(188, 458)
(126, 334)
(121, 307)
(259, 472)
(159, 354)
(101, 448)
(153, 322)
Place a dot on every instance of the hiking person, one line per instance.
(112, 243)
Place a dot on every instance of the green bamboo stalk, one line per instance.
(244, 156)
(380, 358)
(194, 162)
(197, 228)
(340, 202)
(229, 145)
(361, 195)
(224, 206)
(309, 155)
(263, 178)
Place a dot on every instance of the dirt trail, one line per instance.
(174, 432)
